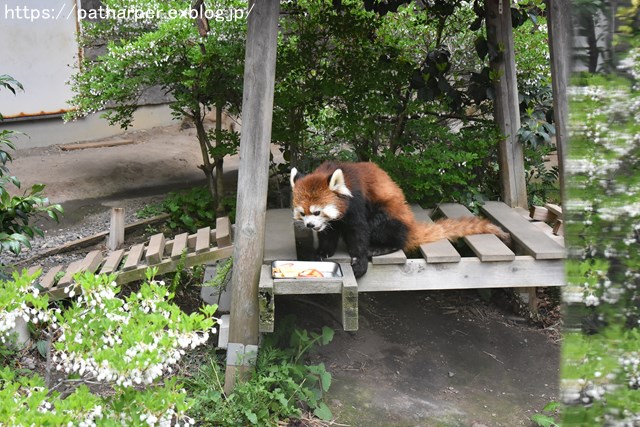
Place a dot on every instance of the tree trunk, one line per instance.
(219, 162)
(207, 166)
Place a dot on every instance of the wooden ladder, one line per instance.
(186, 249)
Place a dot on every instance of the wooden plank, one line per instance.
(539, 213)
(170, 265)
(349, 299)
(133, 257)
(72, 269)
(98, 144)
(441, 251)
(155, 250)
(279, 242)
(526, 235)
(223, 232)
(487, 247)
(33, 270)
(266, 300)
(179, 245)
(548, 231)
(397, 257)
(91, 262)
(422, 215)
(523, 213)
(435, 252)
(554, 209)
(469, 273)
(202, 239)
(48, 280)
(112, 262)
(115, 240)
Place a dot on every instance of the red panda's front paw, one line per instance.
(324, 254)
(359, 266)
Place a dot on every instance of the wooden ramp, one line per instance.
(534, 259)
(204, 246)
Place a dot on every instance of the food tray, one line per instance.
(328, 269)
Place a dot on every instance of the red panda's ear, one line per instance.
(295, 175)
(338, 185)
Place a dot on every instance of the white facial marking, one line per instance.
(331, 212)
(298, 213)
(338, 185)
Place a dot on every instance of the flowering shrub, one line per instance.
(20, 300)
(122, 343)
(601, 363)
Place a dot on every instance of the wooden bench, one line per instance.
(204, 246)
(536, 259)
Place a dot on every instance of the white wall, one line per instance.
(38, 48)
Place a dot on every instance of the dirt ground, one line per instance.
(419, 358)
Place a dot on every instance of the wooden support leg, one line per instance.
(266, 300)
(349, 299)
(530, 298)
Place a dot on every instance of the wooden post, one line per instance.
(253, 174)
(560, 44)
(507, 115)
(116, 229)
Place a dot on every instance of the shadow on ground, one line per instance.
(431, 359)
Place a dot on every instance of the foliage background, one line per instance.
(601, 358)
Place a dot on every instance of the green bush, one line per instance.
(128, 345)
(280, 386)
(17, 211)
(193, 209)
(442, 165)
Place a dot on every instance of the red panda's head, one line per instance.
(319, 198)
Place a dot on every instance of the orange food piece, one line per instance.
(311, 272)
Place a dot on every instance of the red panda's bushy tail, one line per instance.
(451, 229)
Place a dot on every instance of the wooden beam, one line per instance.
(506, 114)
(560, 31)
(257, 112)
(469, 273)
(524, 234)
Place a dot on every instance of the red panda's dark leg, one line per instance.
(357, 234)
(328, 242)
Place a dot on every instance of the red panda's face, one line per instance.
(316, 200)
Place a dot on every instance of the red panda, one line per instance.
(361, 203)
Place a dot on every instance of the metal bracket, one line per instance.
(241, 355)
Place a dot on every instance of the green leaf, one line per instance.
(325, 381)
(323, 412)
(42, 347)
(252, 417)
(327, 335)
(543, 420)
(551, 406)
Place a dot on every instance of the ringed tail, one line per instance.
(451, 229)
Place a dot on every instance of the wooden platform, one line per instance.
(204, 246)
(534, 259)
